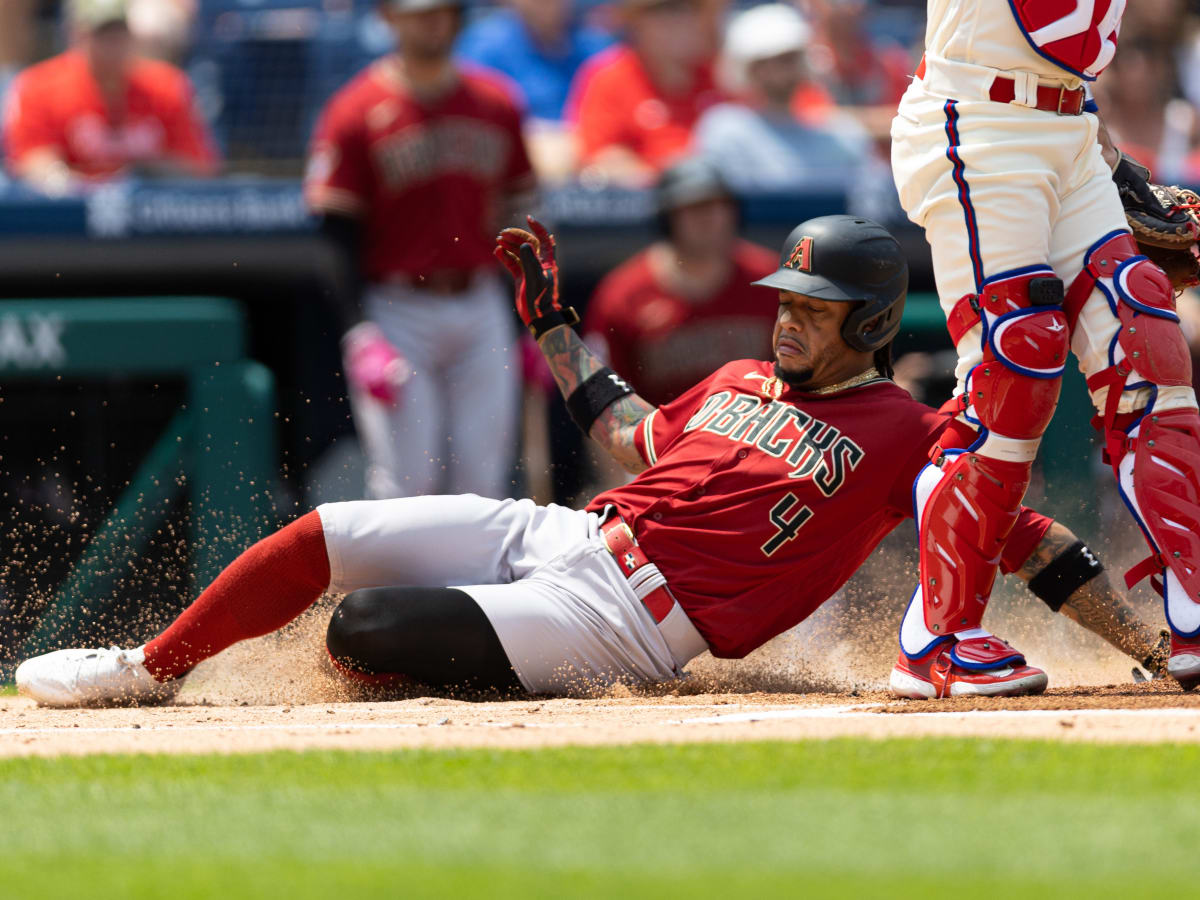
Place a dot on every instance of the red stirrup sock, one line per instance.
(262, 590)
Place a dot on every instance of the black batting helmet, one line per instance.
(850, 260)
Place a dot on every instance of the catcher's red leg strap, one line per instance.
(1156, 454)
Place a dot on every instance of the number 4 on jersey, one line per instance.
(788, 528)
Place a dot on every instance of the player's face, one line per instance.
(778, 77)
(707, 228)
(673, 31)
(109, 50)
(425, 34)
(808, 339)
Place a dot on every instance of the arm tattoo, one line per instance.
(1097, 605)
(572, 363)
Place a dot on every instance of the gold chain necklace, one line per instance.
(862, 378)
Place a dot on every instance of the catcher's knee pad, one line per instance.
(1014, 390)
(965, 510)
(1149, 349)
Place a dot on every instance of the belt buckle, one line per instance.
(1062, 94)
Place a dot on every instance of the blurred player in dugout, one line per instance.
(685, 305)
(101, 110)
(413, 167)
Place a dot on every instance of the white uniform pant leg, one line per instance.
(575, 625)
(482, 394)
(405, 443)
(994, 212)
(564, 613)
(438, 541)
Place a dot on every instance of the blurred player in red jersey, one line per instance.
(759, 491)
(414, 165)
(685, 305)
(99, 110)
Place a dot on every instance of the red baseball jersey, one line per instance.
(663, 342)
(57, 105)
(614, 102)
(430, 180)
(762, 500)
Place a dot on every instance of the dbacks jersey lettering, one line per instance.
(761, 500)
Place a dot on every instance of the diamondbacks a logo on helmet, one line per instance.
(801, 258)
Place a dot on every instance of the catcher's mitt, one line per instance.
(1164, 221)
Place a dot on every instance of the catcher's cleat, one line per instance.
(1184, 664)
(112, 677)
(957, 669)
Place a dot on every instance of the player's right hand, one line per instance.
(373, 365)
(530, 259)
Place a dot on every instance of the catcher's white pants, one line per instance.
(565, 614)
(454, 428)
(1032, 188)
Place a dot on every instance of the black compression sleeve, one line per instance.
(346, 236)
(436, 636)
(594, 396)
(1065, 574)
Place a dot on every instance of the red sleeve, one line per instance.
(605, 325)
(1031, 527)
(187, 134)
(518, 177)
(28, 124)
(338, 176)
(601, 119)
(656, 432)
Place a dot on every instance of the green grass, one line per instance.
(8, 690)
(816, 819)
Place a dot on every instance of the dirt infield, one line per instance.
(280, 692)
(1148, 713)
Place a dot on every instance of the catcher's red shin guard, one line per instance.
(964, 523)
(965, 517)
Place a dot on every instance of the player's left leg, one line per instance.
(1127, 337)
(341, 547)
(482, 390)
(434, 636)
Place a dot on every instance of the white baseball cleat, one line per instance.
(112, 677)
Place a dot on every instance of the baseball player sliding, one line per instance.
(414, 165)
(1000, 154)
(758, 492)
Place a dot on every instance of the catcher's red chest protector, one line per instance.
(1079, 35)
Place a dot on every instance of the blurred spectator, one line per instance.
(415, 164)
(636, 104)
(539, 44)
(1135, 93)
(765, 146)
(162, 27)
(863, 75)
(99, 110)
(678, 310)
